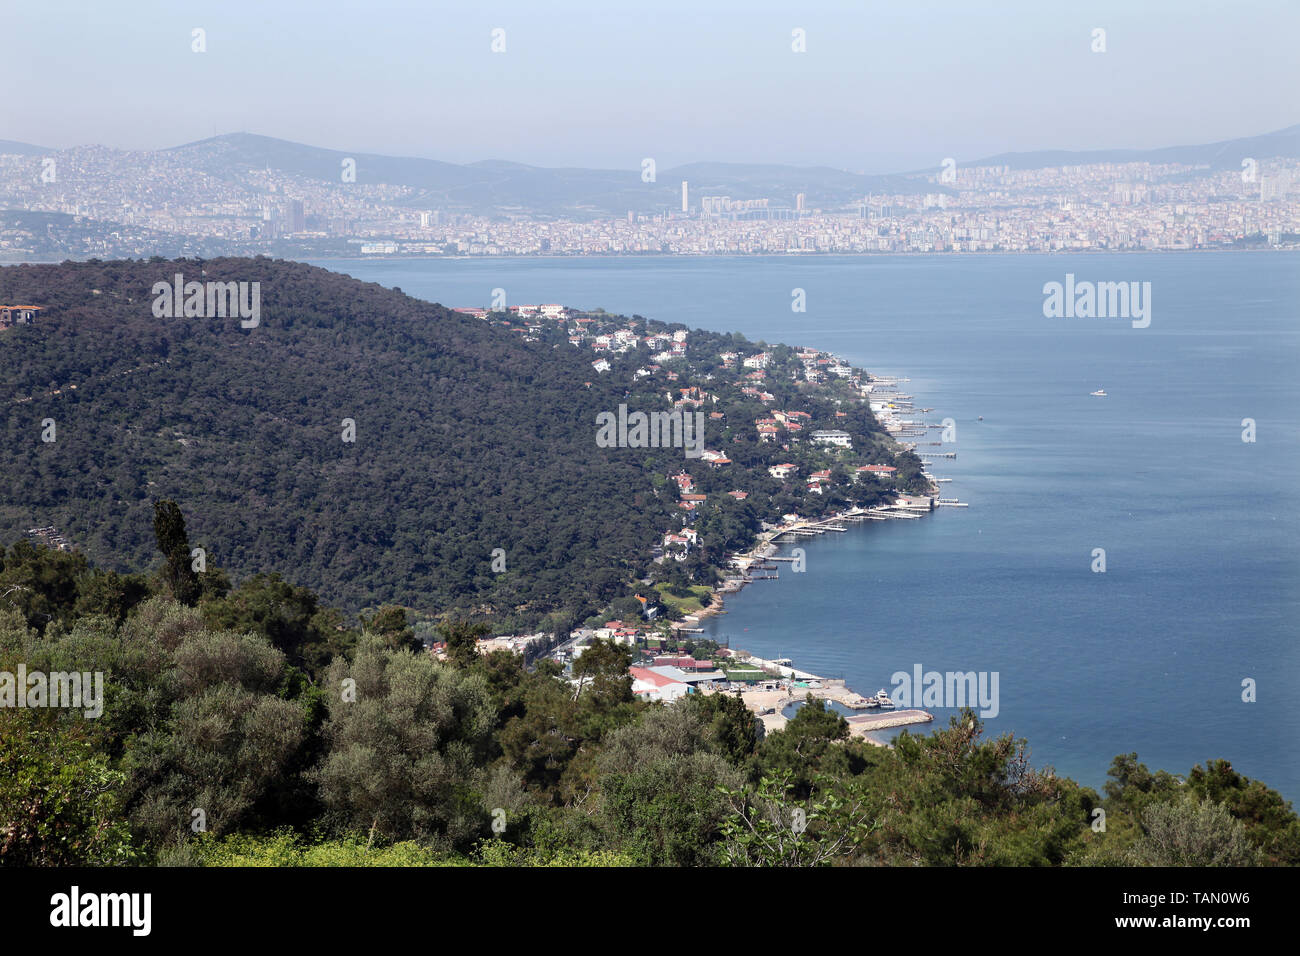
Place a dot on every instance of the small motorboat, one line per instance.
(1101, 393)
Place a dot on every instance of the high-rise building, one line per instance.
(1275, 186)
(685, 204)
(799, 202)
(295, 218)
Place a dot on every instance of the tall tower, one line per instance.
(685, 204)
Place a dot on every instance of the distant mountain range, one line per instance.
(22, 149)
(1225, 154)
(505, 187)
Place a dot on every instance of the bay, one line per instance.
(1201, 530)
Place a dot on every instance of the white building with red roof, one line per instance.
(658, 683)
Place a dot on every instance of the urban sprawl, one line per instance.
(101, 202)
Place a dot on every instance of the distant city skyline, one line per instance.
(881, 88)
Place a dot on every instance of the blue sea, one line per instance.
(1201, 530)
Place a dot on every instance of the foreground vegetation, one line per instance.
(252, 725)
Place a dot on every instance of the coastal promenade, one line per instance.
(788, 685)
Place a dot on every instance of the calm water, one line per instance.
(1201, 530)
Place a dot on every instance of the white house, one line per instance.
(832, 437)
(882, 472)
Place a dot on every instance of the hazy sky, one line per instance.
(883, 85)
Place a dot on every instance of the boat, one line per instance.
(1100, 392)
(981, 418)
(883, 700)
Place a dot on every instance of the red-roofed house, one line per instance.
(652, 684)
(883, 472)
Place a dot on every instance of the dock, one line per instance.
(768, 699)
(860, 725)
(887, 512)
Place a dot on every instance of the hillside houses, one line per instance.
(685, 539)
(817, 479)
(11, 315)
(839, 439)
(695, 397)
(880, 472)
(808, 426)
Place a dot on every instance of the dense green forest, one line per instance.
(472, 441)
(249, 725)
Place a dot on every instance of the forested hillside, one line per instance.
(387, 450)
(251, 728)
(466, 438)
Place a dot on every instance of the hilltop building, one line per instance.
(11, 315)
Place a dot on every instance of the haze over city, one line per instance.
(881, 87)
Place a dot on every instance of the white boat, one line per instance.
(884, 700)
(1100, 392)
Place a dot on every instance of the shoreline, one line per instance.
(768, 703)
(765, 547)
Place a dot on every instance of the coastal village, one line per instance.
(812, 461)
